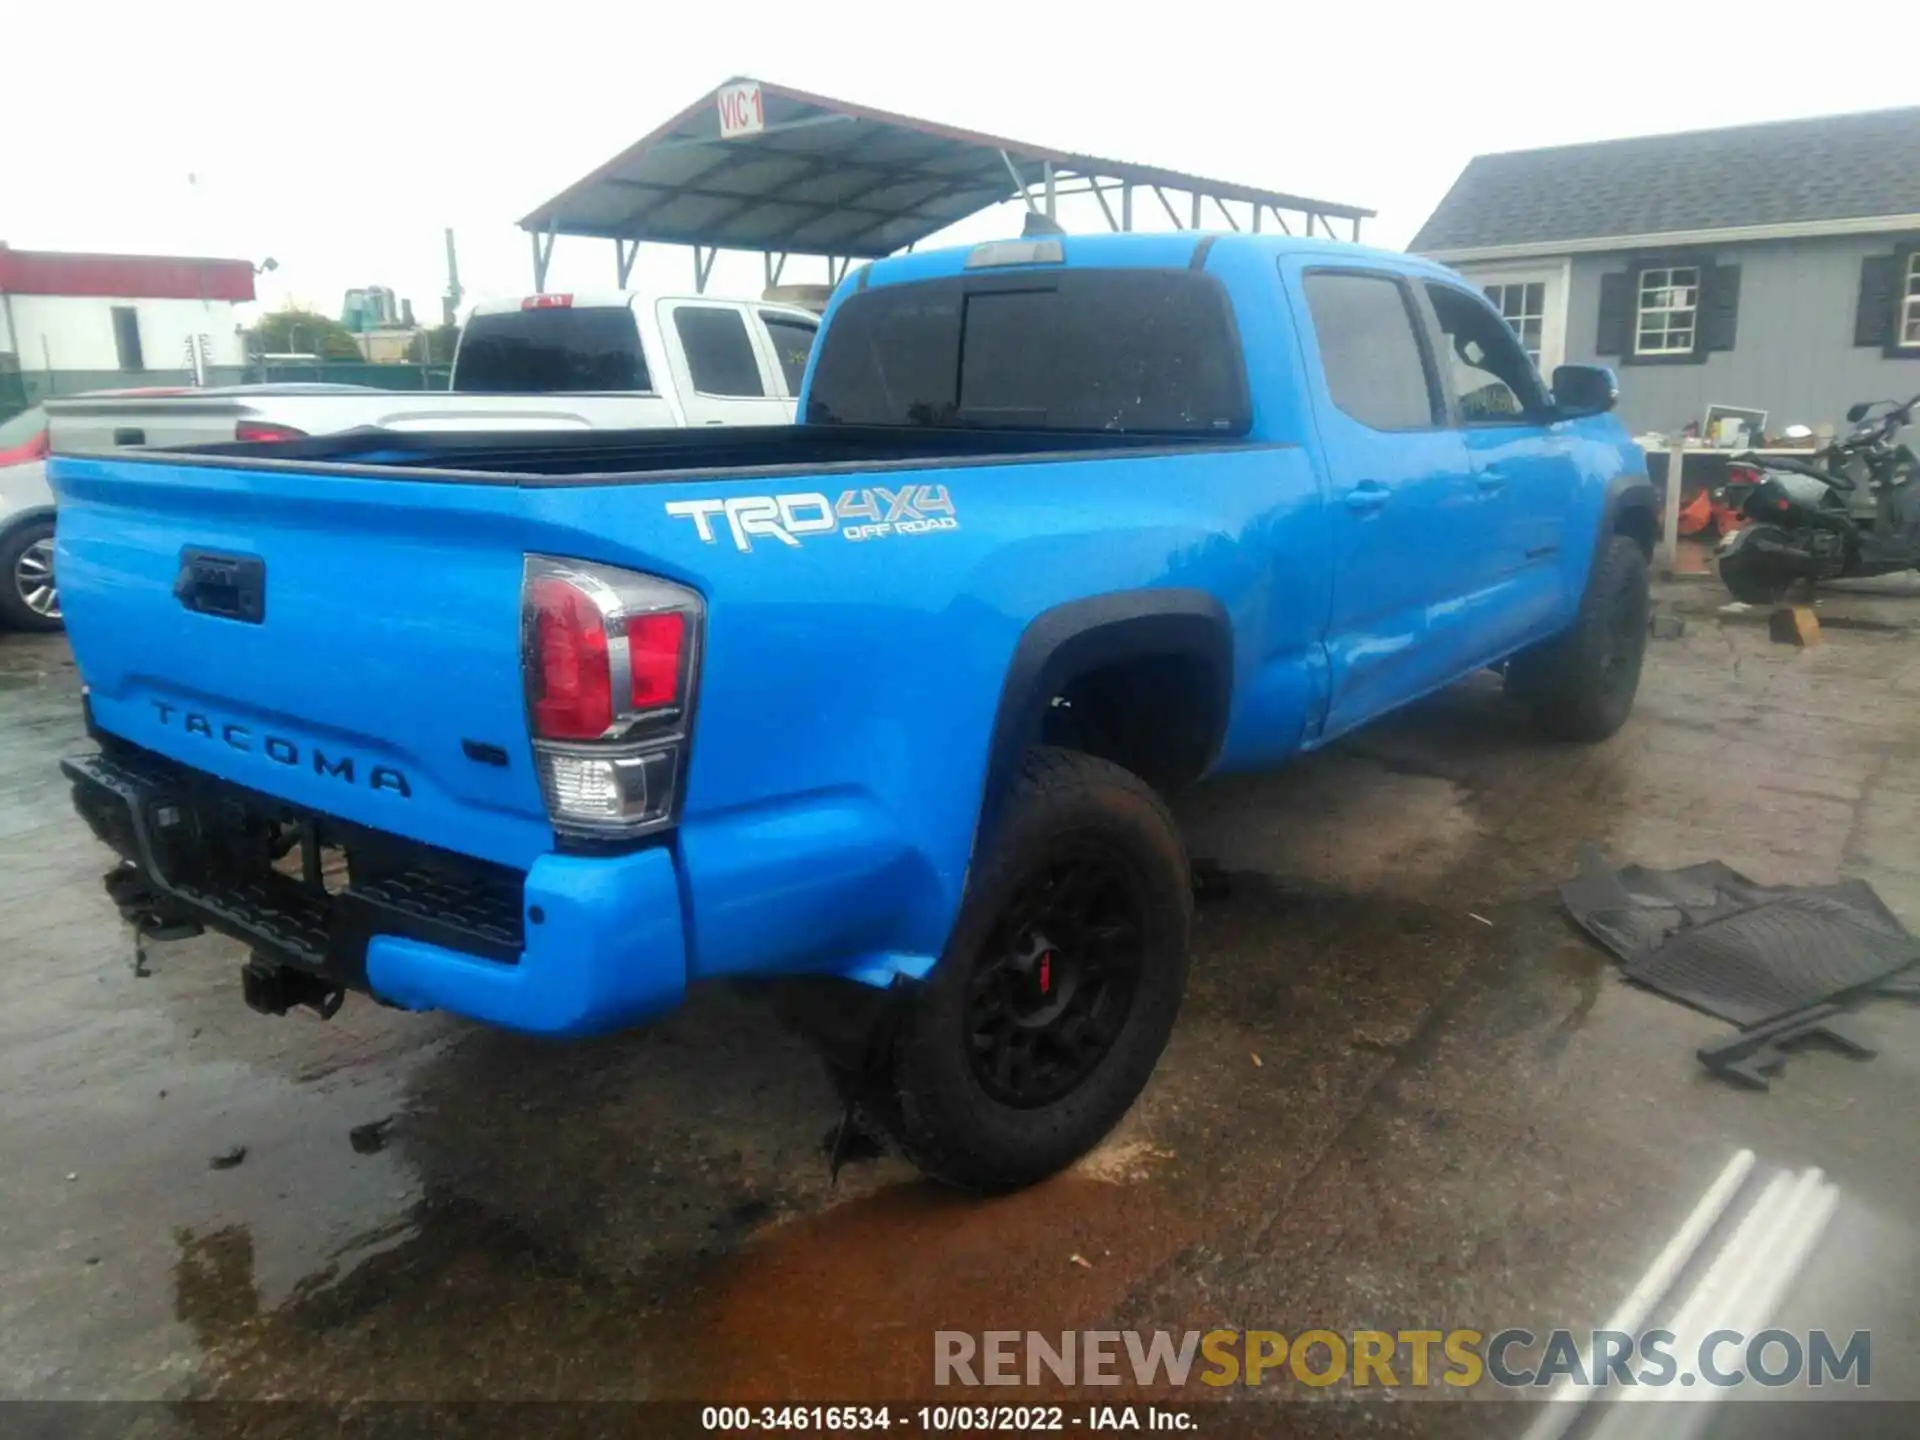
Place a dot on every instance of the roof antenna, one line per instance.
(1039, 223)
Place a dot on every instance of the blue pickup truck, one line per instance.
(543, 729)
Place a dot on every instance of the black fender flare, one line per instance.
(1081, 636)
(1625, 495)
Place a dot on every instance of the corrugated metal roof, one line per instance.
(1834, 167)
(826, 177)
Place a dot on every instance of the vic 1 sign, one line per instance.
(741, 112)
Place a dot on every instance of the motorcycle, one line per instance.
(1799, 526)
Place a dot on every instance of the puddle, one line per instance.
(846, 1302)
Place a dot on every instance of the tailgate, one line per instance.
(342, 642)
(117, 422)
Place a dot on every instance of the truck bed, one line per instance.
(606, 456)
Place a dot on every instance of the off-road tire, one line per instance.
(1580, 684)
(941, 1115)
(15, 613)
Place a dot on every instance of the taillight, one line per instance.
(1742, 475)
(258, 430)
(573, 693)
(655, 647)
(38, 448)
(547, 302)
(610, 659)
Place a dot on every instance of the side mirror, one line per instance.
(1857, 413)
(1584, 389)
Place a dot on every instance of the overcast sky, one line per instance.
(341, 138)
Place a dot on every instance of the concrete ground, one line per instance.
(1403, 1093)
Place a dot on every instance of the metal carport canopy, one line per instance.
(793, 173)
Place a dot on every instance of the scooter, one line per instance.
(1800, 527)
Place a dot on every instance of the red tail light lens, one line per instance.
(1742, 475)
(655, 646)
(573, 682)
(611, 659)
(547, 302)
(260, 430)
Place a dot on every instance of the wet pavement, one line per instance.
(1403, 1093)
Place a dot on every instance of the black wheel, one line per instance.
(1059, 987)
(1753, 577)
(29, 599)
(1580, 684)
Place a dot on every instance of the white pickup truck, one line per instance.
(612, 361)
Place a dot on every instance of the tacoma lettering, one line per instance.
(283, 751)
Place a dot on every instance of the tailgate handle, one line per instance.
(128, 435)
(233, 587)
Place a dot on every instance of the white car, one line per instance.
(28, 598)
(611, 361)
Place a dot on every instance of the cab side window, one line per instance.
(719, 354)
(792, 344)
(1370, 350)
(1488, 375)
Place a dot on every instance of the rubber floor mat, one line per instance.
(1711, 938)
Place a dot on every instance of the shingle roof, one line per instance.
(1829, 168)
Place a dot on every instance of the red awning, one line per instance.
(139, 277)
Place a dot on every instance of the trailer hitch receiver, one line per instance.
(271, 988)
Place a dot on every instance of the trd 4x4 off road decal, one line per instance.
(858, 514)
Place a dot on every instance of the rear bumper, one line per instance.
(575, 945)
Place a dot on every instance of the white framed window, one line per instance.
(1532, 299)
(1523, 305)
(1910, 303)
(1667, 315)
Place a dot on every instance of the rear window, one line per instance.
(1127, 350)
(551, 352)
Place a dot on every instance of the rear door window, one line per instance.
(792, 344)
(551, 351)
(1369, 349)
(1124, 350)
(719, 352)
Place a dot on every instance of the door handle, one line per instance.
(1367, 496)
(233, 587)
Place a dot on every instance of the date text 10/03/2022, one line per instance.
(948, 1419)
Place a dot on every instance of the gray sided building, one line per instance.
(1770, 267)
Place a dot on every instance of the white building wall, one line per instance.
(75, 332)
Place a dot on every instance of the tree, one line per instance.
(297, 331)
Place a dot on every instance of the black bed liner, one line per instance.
(606, 456)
